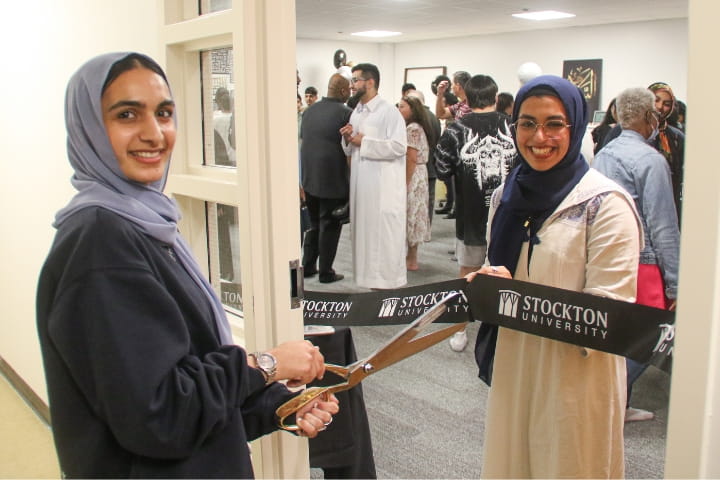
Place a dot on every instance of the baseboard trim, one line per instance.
(27, 393)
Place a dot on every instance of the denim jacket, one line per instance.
(644, 173)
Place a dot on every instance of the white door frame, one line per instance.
(263, 186)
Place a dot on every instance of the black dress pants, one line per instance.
(321, 240)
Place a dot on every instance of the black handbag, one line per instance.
(342, 213)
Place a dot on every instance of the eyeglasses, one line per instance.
(355, 80)
(552, 128)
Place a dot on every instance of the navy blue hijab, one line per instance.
(531, 196)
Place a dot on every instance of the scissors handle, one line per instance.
(296, 403)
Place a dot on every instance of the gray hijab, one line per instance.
(101, 183)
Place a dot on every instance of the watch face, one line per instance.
(266, 361)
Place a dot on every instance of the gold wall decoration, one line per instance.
(587, 75)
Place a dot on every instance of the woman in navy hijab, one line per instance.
(144, 379)
(555, 410)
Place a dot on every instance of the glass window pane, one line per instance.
(209, 6)
(224, 243)
(218, 88)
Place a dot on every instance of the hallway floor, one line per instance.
(26, 444)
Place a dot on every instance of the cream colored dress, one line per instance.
(556, 410)
(418, 217)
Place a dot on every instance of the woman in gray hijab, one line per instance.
(143, 377)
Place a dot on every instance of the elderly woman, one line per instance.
(644, 173)
(669, 140)
(555, 410)
(142, 374)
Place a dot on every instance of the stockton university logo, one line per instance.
(388, 307)
(508, 304)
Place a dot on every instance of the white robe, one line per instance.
(378, 195)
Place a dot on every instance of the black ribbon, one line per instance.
(644, 334)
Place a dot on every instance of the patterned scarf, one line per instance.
(663, 142)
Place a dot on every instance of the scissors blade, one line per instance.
(402, 344)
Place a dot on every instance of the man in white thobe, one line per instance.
(376, 141)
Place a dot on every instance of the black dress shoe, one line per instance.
(309, 272)
(440, 211)
(333, 277)
(450, 215)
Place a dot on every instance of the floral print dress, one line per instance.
(418, 220)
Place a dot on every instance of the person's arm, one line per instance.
(658, 209)
(390, 143)
(410, 164)
(346, 134)
(127, 344)
(128, 350)
(613, 248)
(416, 142)
(446, 154)
(442, 112)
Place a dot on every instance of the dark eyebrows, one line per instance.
(551, 117)
(136, 104)
(125, 103)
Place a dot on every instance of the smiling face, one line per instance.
(138, 114)
(542, 152)
(663, 103)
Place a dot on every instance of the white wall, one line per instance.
(315, 61)
(634, 54)
(45, 42)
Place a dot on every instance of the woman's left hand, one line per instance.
(493, 271)
(315, 417)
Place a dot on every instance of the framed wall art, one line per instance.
(587, 75)
(422, 77)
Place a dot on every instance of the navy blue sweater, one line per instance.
(138, 383)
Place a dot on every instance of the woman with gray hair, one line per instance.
(632, 162)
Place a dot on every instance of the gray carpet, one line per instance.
(427, 413)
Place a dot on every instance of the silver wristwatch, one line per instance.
(267, 364)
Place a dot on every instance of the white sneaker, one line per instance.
(458, 342)
(637, 415)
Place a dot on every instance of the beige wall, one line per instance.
(45, 41)
(693, 420)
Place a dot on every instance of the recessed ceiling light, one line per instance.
(543, 15)
(377, 33)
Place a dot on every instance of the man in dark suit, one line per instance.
(325, 177)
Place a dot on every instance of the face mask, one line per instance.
(653, 135)
(655, 132)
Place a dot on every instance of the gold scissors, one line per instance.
(398, 348)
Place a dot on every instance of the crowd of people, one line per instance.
(528, 205)
(143, 376)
